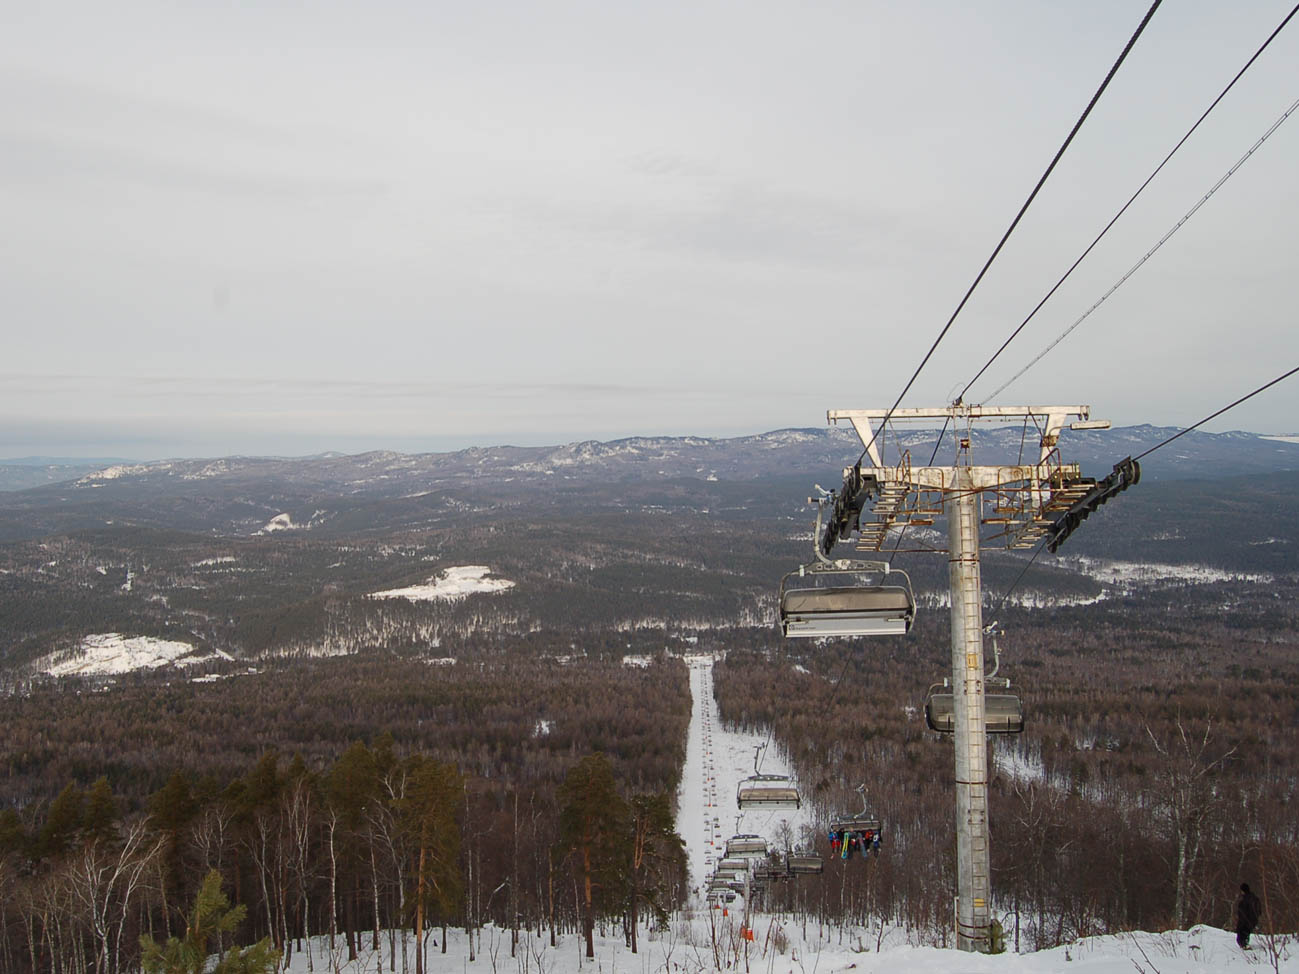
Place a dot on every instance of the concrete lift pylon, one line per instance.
(1024, 502)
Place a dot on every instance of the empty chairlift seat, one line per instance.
(766, 871)
(747, 846)
(767, 791)
(804, 863)
(810, 610)
(1003, 712)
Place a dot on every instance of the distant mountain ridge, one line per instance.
(821, 452)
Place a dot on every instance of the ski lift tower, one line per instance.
(1021, 503)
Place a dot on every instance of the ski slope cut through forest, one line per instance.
(717, 760)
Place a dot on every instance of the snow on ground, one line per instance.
(717, 760)
(704, 940)
(1018, 765)
(1122, 577)
(214, 677)
(1043, 600)
(280, 522)
(699, 939)
(1127, 573)
(109, 653)
(454, 583)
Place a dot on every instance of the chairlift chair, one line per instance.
(746, 846)
(864, 824)
(813, 611)
(1003, 713)
(734, 864)
(804, 863)
(770, 792)
(766, 871)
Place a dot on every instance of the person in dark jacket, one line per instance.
(1247, 912)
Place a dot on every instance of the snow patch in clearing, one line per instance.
(453, 583)
(1149, 573)
(111, 653)
(213, 677)
(543, 728)
(641, 661)
(280, 522)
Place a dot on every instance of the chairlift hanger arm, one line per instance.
(1126, 473)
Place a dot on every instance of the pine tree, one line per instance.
(593, 827)
(658, 859)
(99, 818)
(62, 822)
(212, 915)
(428, 817)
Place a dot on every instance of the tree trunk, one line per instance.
(588, 918)
(419, 913)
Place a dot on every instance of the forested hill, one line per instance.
(335, 494)
(245, 557)
(812, 450)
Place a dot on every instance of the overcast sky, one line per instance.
(287, 228)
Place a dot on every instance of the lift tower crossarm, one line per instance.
(1027, 498)
(1054, 417)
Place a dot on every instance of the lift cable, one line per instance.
(1188, 429)
(1014, 223)
(1151, 252)
(1072, 267)
(1020, 577)
(1214, 415)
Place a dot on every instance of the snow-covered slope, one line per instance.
(705, 940)
(717, 760)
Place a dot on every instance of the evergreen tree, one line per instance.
(13, 837)
(428, 818)
(593, 828)
(171, 808)
(350, 787)
(212, 915)
(658, 859)
(62, 823)
(99, 819)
